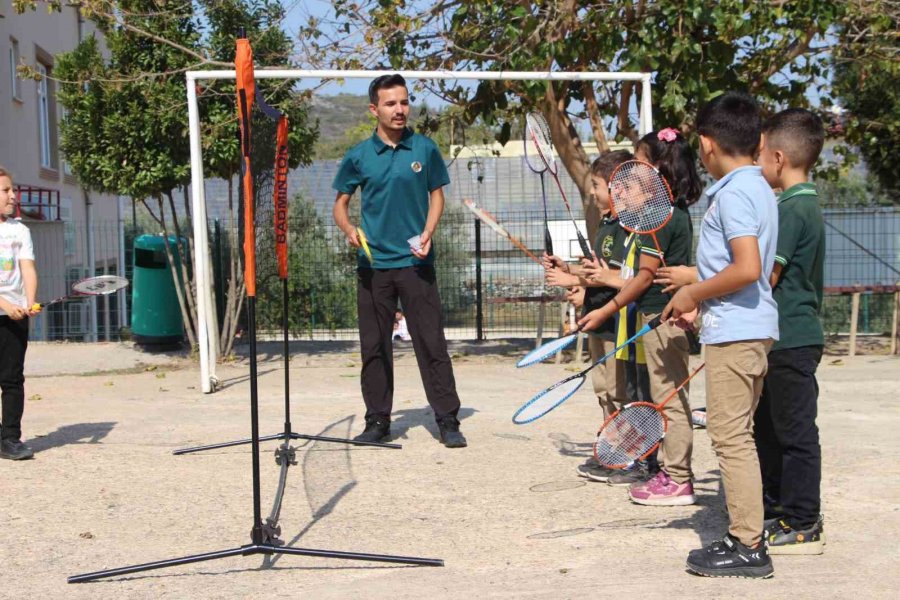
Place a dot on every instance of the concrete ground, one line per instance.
(508, 514)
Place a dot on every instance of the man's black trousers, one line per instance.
(787, 438)
(377, 293)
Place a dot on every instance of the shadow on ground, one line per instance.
(79, 433)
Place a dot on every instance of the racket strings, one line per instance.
(640, 197)
(629, 436)
(545, 351)
(547, 400)
(539, 132)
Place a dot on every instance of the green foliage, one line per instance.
(321, 278)
(866, 76)
(261, 20)
(694, 48)
(126, 128)
(853, 190)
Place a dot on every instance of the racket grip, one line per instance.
(548, 242)
(655, 322)
(585, 248)
(36, 307)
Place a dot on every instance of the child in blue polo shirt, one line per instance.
(739, 323)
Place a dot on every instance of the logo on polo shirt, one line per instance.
(416, 166)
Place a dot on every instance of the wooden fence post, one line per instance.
(854, 319)
(895, 331)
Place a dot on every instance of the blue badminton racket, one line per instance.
(561, 391)
(547, 350)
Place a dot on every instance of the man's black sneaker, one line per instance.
(15, 450)
(781, 538)
(450, 435)
(595, 471)
(730, 558)
(376, 430)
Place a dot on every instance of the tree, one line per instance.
(126, 130)
(694, 49)
(867, 69)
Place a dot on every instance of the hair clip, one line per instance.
(667, 135)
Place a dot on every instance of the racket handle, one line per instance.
(548, 241)
(36, 307)
(585, 248)
(655, 322)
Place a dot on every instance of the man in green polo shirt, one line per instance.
(401, 175)
(787, 439)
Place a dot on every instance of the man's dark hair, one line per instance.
(733, 121)
(606, 163)
(382, 83)
(798, 133)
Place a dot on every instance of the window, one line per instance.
(15, 84)
(44, 117)
(65, 214)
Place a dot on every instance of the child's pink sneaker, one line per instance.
(662, 491)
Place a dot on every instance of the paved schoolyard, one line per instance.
(508, 514)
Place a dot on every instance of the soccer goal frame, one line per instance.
(207, 339)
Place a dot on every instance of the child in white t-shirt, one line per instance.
(18, 288)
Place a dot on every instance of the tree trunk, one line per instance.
(572, 155)
(179, 292)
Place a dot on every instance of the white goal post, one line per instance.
(207, 339)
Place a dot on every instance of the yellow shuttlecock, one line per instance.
(365, 244)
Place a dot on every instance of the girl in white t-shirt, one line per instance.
(18, 288)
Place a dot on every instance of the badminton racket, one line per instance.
(491, 221)
(101, 285)
(635, 431)
(561, 391)
(537, 166)
(536, 124)
(364, 244)
(641, 199)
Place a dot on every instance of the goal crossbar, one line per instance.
(207, 339)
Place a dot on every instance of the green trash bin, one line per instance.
(155, 314)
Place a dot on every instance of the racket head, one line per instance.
(364, 244)
(100, 285)
(548, 399)
(640, 197)
(546, 350)
(538, 130)
(532, 158)
(630, 434)
(485, 217)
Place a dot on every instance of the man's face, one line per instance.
(392, 110)
(7, 197)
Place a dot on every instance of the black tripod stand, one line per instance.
(260, 541)
(285, 455)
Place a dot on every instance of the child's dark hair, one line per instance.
(733, 121)
(383, 83)
(798, 133)
(676, 162)
(604, 165)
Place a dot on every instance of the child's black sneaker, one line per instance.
(595, 471)
(730, 558)
(781, 538)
